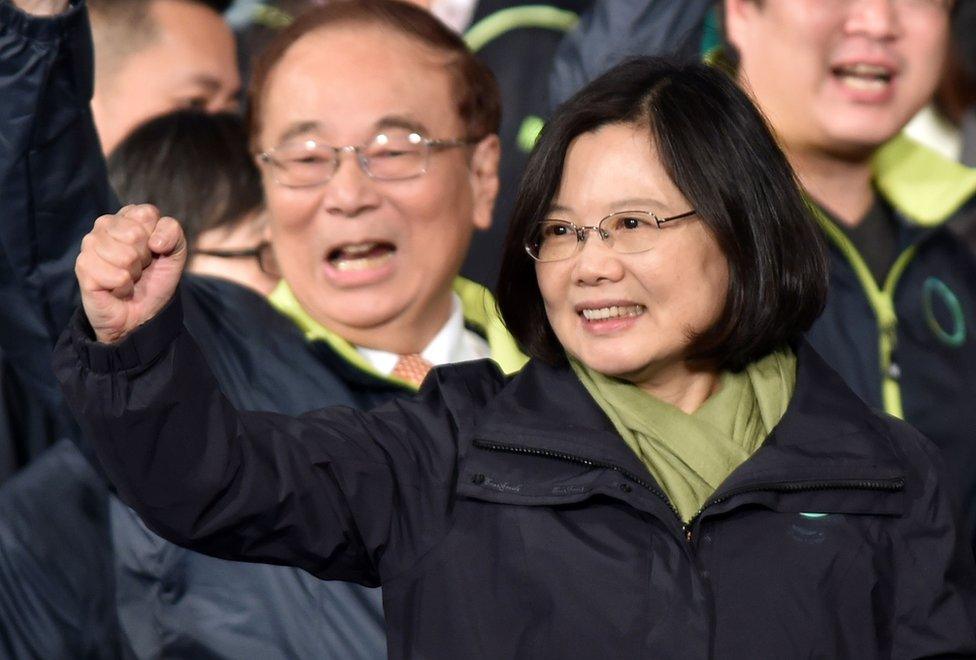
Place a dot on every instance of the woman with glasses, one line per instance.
(674, 474)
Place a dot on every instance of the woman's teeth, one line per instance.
(613, 312)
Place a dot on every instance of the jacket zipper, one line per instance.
(884, 485)
(889, 485)
(514, 449)
(882, 303)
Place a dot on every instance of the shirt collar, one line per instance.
(477, 307)
(448, 345)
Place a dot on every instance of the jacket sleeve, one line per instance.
(613, 30)
(53, 180)
(935, 596)
(336, 492)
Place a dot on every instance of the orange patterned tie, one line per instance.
(412, 368)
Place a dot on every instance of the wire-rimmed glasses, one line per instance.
(626, 232)
(263, 252)
(391, 155)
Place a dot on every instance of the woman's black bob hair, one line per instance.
(719, 152)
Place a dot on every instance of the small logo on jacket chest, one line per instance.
(943, 312)
(502, 486)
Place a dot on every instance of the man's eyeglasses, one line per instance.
(390, 155)
(262, 252)
(623, 231)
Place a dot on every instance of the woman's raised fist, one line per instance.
(128, 269)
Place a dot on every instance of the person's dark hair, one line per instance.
(194, 166)
(720, 154)
(963, 35)
(476, 94)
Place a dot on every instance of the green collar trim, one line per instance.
(921, 184)
(477, 306)
(495, 25)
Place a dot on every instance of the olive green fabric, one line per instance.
(691, 455)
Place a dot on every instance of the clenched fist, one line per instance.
(128, 269)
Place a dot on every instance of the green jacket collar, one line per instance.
(922, 185)
(477, 305)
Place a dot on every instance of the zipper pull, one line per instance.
(687, 529)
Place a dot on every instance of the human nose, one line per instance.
(878, 19)
(596, 262)
(350, 191)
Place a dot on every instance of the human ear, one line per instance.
(484, 179)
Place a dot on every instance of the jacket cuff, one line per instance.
(44, 28)
(139, 349)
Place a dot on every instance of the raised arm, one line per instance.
(53, 181)
(314, 492)
(327, 492)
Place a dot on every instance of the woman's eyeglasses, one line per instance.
(626, 232)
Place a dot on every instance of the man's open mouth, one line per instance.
(361, 256)
(861, 76)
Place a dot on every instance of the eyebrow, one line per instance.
(626, 204)
(297, 129)
(631, 202)
(400, 121)
(389, 121)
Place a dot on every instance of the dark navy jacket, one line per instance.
(906, 346)
(507, 519)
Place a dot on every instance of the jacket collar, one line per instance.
(826, 435)
(477, 306)
(922, 185)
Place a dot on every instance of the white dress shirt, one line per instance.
(452, 343)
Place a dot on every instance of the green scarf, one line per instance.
(691, 455)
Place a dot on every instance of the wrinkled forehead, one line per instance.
(347, 79)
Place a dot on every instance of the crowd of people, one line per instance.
(486, 329)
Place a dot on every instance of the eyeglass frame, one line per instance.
(262, 252)
(582, 230)
(363, 160)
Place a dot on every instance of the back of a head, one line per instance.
(193, 166)
(155, 56)
(119, 29)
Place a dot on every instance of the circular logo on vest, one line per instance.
(942, 304)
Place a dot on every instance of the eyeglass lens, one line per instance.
(626, 232)
(392, 154)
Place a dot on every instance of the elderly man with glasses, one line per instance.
(368, 239)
